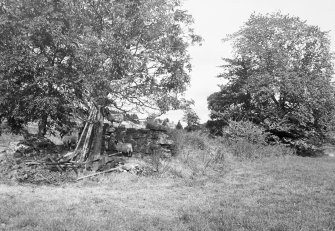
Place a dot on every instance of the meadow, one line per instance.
(204, 187)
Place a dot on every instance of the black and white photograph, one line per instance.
(177, 115)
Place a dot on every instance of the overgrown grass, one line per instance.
(286, 193)
(205, 186)
(196, 155)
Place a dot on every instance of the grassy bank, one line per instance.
(285, 193)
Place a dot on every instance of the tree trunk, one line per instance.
(42, 125)
(87, 144)
(90, 145)
(93, 137)
(96, 152)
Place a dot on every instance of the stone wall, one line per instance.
(144, 141)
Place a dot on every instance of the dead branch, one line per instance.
(114, 154)
(57, 164)
(33, 163)
(98, 173)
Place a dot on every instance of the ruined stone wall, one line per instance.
(144, 141)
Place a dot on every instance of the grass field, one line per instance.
(284, 193)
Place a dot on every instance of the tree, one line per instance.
(179, 126)
(38, 79)
(134, 55)
(192, 119)
(122, 55)
(279, 77)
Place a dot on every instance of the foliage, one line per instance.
(60, 56)
(246, 130)
(38, 77)
(132, 117)
(280, 78)
(134, 53)
(192, 119)
(179, 126)
(249, 141)
(215, 127)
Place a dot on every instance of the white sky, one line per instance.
(214, 19)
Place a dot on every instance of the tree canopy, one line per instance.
(38, 77)
(280, 77)
(57, 56)
(192, 119)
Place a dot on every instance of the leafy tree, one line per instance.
(58, 56)
(132, 57)
(179, 126)
(134, 53)
(38, 79)
(280, 77)
(192, 119)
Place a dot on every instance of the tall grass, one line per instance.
(276, 193)
(196, 154)
(199, 154)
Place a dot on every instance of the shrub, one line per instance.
(244, 149)
(245, 130)
(246, 140)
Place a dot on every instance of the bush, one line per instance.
(249, 141)
(244, 149)
(245, 130)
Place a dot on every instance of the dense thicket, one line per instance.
(280, 78)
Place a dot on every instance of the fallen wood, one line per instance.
(44, 178)
(114, 154)
(33, 163)
(76, 152)
(87, 143)
(60, 162)
(57, 164)
(98, 173)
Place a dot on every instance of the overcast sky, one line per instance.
(214, 19)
